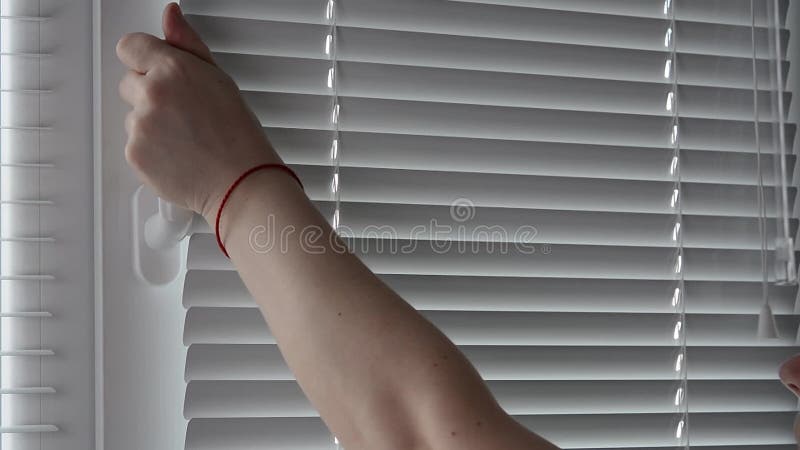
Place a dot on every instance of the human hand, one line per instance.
(190, 134)
(790, 376)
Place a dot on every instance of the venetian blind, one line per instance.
(568, 189)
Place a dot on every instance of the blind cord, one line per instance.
(681, 364)
(766, 320)
(761, 202)
(331, 47)
(331, 44)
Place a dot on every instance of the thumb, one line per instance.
(178, 33)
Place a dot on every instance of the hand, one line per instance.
(190, 134)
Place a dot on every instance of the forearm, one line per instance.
(376, 370)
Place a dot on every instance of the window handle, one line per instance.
(158, 227)
(168, 227)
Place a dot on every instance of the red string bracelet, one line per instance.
(236, 183)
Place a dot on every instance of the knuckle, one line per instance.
(137, 153)
(172, 63)
(133, 155)
(154, 92)
(129, 40)
(123, 43)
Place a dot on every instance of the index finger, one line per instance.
(141, 51)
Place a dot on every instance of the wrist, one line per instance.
(249, 156)
(255, 192)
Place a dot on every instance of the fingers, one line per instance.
(179, 33)
(131, 88)
(142, 52)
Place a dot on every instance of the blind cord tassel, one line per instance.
(767, 327)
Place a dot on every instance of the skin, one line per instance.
(790, 376)
(381, 375)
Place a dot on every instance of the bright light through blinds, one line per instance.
(21, 314)
(620, 132)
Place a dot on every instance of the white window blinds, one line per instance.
(22, 312)
(46, 338)
(621, 134)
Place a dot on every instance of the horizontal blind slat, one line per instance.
(712, 429)
(513, 191)
(247, 326)
(494, 122)
(212, 288)
(413, 152)
(248, 398)
(265, 362)
(642, 430)
(733, 12)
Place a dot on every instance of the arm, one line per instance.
(381, 376)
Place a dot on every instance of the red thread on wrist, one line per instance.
(236, 183)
